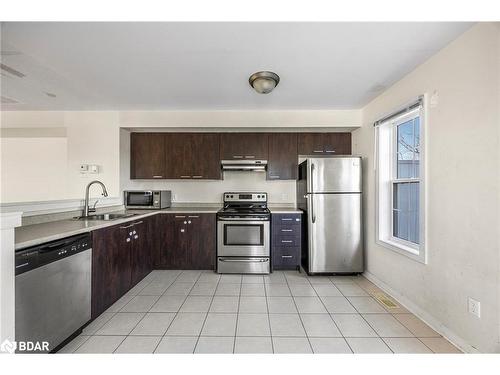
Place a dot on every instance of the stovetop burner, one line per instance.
(245, 205)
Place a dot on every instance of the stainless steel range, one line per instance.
(243, 234)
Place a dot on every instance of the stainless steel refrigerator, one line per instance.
(329, 191)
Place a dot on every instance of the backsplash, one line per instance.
(208, 191)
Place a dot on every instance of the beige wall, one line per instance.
(463, 191)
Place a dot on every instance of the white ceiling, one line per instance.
(205, 66)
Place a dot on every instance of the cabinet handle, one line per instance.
(189, 221)
(249, 156)
(331, 151)
(318, 151)
(198, 176)
(185, 222)
(286, 219)
(136, 236)
(287, 230)
(273, 176)
(286, 241)
(185, 176)
(180, 217)
(128, 239)
(182, 230)
(127, 226)
(157, 176)
(287, 256)
(194, 216)
(134, 232)
(237, 157)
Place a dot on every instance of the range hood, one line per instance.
(244, 165)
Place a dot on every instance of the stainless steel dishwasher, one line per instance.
(53, 287)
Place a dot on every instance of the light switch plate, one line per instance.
(474, 307)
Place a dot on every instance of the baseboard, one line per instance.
(427, 318)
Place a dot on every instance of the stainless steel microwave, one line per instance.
(147, 199)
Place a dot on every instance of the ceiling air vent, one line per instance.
(12, 71)
(6, 100)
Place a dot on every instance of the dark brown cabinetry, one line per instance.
(283, 156)
(244, 146)
(147, 155)
(121, 257)
(324, 143)
(286, 241)
(192, 156)
(187, 241)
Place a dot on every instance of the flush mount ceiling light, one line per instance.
(264, 82)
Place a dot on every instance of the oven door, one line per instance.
(243, 238)
(139, 199)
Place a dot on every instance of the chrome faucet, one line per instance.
(86, 208)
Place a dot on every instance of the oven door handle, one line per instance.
(242, 219)
(260, 260)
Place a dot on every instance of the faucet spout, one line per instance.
(87, 190)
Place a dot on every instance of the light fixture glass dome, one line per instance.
(264, 82)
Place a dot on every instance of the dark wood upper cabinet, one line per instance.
(244, 146)
(147, 155)
(283, 156)
(178, 155)
(206, 163)
(192, 156)
(324, 143)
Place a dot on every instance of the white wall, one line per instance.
(463, 190)
(93, 138)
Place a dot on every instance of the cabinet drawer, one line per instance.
(287, 241)
(286, 257)
(286, 230)
(286, 219)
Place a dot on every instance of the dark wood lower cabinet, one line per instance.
(187, 241)
(121, 257)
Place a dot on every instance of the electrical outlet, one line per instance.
(474, 307)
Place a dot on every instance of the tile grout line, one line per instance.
(268, 316)
(206, 316)
(237, 315)
(145, 316)
(298, 312)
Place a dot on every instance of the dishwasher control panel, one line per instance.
(40, 255)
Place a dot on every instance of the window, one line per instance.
(400, 183)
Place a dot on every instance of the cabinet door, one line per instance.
(147, 155)
(202, 243)
(311, 143)
(178, 156)
(205, 156)
(142, 247)
(174, 242)
(111, 267)
(244, 146)
(338, 144)
(283, 157)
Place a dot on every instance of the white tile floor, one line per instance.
(285, 312)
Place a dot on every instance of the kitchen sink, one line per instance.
(105, 217)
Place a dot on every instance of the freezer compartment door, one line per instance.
(334, 175)
(335, 243)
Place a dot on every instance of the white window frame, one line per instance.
(386, 157)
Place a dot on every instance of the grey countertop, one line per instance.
(31, 235)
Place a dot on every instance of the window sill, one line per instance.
(409, 252)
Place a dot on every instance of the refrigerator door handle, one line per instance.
(313, 213)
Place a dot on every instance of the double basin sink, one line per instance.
(105, 217)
